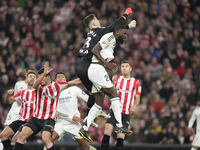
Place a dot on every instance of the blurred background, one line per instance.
(164, 50)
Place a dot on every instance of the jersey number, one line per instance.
(107, 78)
(87, 43)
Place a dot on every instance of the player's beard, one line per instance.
(30, 84)
(120, 40)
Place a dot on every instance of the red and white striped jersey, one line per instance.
(127, 89)
(27, 98)
(47, 100)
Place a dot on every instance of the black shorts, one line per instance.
(17, 125)
(125, 119)
(82, 72)
(37, 125)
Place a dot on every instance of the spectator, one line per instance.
(180, 138)
(157, 104)
(155, 68)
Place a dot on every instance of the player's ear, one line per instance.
(48, 76)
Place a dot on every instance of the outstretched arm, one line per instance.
(74, 82)
(70, 117)
(119, 21)
(39, 80)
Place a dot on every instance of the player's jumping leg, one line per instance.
(114, 98)
(25, 133)
(4, 136)
(96, 108)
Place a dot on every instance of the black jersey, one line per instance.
(94, 36)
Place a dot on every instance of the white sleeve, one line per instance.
(104, 41)
(82, 95)
(192, 119)
(15, 88)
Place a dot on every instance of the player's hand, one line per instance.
(114, 79)
(111, 66)
(132, 111)
(46, 68)
(191, 130)
(10, 92)
(19, 102)
(128, 11)
(132, 24)
(77, 120)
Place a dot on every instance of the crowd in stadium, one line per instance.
(164, 50)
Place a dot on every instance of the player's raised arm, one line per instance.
(41, 76)
(121, 20)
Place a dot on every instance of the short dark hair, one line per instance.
(88, 19)
(126, 61)
(29, 69)
(42, 71)
(119, 27)
(31, 72)
(60, 72)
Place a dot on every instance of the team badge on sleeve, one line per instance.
(105, 42)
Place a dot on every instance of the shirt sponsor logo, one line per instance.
(121, 90)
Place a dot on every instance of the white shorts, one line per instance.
(71, 129)
(99, 77)
(11, 116)
(196, 141)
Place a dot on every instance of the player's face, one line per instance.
(44, 80)
(60, 77)
(31, 79)
(122, 34)
(125, 68)
(97, 22)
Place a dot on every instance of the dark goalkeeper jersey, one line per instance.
(94, 36)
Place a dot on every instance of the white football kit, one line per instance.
(96, 72)
(195, 116)
(15, 109)
(67, 108)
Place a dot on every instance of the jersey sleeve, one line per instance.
(62, 85)
(119, 21)
(82, 95)
(17, 96)
(192, 119)
(138, 88)
(16, 89)
(104, 42)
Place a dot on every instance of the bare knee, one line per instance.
(46, 138)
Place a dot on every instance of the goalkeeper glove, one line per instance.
(132, 24)
(127, 13)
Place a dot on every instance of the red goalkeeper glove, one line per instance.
(127, 13)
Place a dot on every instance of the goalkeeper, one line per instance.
(85, 54)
